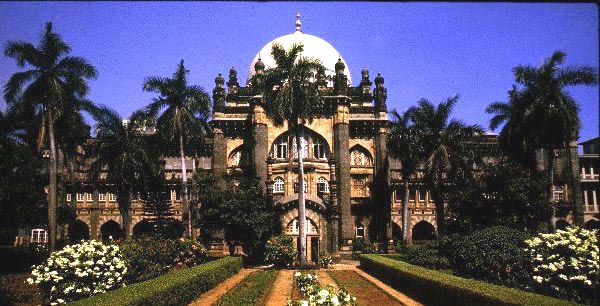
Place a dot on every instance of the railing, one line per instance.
(590, 177)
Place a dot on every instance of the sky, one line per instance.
(423, 50)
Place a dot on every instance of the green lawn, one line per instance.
(253, 290)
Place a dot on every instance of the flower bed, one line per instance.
(432, 287)
(179, 287)
(314, 294)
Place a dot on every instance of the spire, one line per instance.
(298, 23)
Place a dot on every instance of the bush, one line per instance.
(362, 245)
(314, 294)
(434, 288)
(280, 251)
(493, 254)
(79, 270)
(178, 287)
(565, 263)
(150, 256)
(21, 258)
(423, 255)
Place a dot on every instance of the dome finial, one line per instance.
(298, 23)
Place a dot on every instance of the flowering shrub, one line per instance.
(150, 256)
(78, 271)
(315, 295)
(565, 263)
(325, 261)
(280, 251)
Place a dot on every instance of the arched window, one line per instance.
(360, 157)
(278, 185)
(296, 186)
(237, 157)
(294, 229)
(280, 148)
(319, 148)
(322, 185)
(303, 143)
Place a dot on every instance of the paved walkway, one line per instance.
(212, 296)
(282, 289)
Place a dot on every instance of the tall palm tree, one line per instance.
(446, 148)
(181, 113)
(121, 154)
(292, 98)
(546, 114)
(45, 85)
(405, 144)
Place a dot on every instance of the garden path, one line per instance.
(212, 296)
(282, 289)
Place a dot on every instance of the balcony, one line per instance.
(587, 177)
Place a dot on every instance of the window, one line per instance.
(278, 185)
(422, 195)
(89, 197)
(68, 197)
(558, 194)
(319, 148)
(322, 185)
(360, 157)
(304, 145)
(280, 148)
(112, 197)
(173, 195)
(296, 186)
(79, 197)
(102, 197)
(411, 195)
(39, 235)
(359, 232)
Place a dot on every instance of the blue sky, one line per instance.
(424, 50)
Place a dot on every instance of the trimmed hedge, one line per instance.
(179, 287)
(435, 288)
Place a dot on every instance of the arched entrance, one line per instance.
(78, 231)
(111, 229)
(142, 228)
(312, 237)
(423, 230)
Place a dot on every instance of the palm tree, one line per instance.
(292, 98)
(405, 144)
(181, 113)
(544, 112)
(121, 154)
(446, 149)
(44, 86)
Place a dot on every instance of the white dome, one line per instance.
(314, 47)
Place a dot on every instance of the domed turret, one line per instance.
(259, 66)
(379, 80)
(314, 47)
(339, 66)
(219, 81)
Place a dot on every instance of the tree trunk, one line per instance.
(52, 187)
(186, 216)
(405, 224)
(440, 213)
(301, 202)
(60, 194)
(550, 170)
(124, 200)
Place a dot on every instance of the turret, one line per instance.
(380, 94)
(340, 82)
(232, 84)
(219, 94)
(365, 83)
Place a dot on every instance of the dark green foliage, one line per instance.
(496, 254)
(423, 255)
(434, 288)
(251, 291)
(179, 287)
(21, 259)
(363, 246)
(504, 193)
(150, 256)
(280, 251)
(237, 206)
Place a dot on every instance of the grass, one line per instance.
(366, 293)
(435, 288)
(253, 290)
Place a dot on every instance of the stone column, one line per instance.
(381, 196)
(334, 224)
(575, 175)
(341, 136)
(219, 158)
(260, 144)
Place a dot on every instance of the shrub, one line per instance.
(179, 287)
(325, 261)
(314, 294)
(363, 246)
(150, 256)
(565, 263)
(78, 271)
(435, 288)
(493, 254)
(423, 255)
(280, 251)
